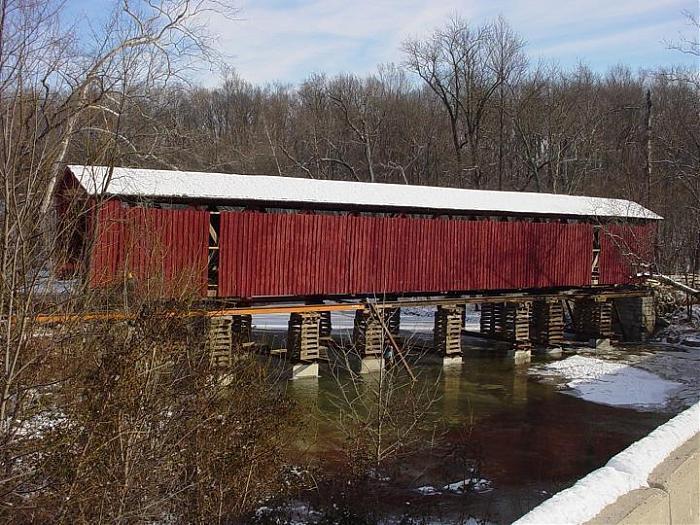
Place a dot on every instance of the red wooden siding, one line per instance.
(277, 254)
(625, 250)
(306, 254)
(163, 250)
(107, 257)
(302, 254)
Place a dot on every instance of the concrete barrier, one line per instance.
(679, 477)
(639, 507)
(655, 481)
(673, 496)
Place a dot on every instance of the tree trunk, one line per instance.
(647, 136)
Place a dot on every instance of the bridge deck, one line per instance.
(215, 310)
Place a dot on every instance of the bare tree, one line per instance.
(509, 64)
(464, 67)
(56, 93)
(688, 45)
(383, 416)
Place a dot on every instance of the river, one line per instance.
(519, 438)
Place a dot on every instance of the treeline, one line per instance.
(464, 109)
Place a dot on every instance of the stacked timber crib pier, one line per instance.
(520, 323)
(226, 239)
(449, 322)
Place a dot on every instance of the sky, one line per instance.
(288, 40)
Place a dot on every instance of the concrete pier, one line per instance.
(452, 361)
(305, 370)
(521, 357)
(371, 365)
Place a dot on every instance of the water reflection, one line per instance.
(451, 389)
(520, 386)
(524, 436)
(306, 391)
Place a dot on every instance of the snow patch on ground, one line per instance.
(681, 330)
(298, 513)
(624, 473)
(691, 340)
(611, 383)
(40, 424)
(428, 490)
(477, 485)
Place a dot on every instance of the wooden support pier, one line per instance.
(508, 322)
(303, 339)
(547, 327)
(325, 326)
(241, 331)
(449, 320)
(220, 342)
(374, 335)
(369, 336)
(592, 319)
(304, 343)
(228, 337)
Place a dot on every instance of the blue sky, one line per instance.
(287, 40)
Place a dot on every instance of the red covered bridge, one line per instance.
(253, 237)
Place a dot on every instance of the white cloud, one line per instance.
(277, 40)
(578, 47)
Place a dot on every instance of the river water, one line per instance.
(518, 437)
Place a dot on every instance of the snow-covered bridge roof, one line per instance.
(191, 185)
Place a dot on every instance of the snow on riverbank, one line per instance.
(611, 383)
(682, 332)
(477, 485)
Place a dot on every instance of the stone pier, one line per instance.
(636, 317)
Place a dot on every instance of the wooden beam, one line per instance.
(358, 305)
